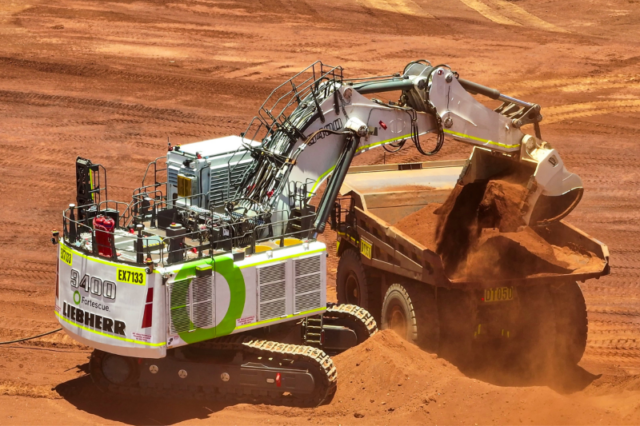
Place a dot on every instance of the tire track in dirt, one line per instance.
(572, 84)
(164, 114)
(489, 13)
(556, 114)
(204, 84)
(405, 7)
(525, 18)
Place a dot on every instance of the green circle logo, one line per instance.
(76, 297)
(224, 266)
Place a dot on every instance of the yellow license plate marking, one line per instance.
(131, 276)
(66, 255)
(498, 294)
(365, 248)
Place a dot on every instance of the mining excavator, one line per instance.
(211, 282)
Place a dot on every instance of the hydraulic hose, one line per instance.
(339, 173)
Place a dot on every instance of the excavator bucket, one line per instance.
(552, 192)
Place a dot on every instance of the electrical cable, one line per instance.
(37, 348)
(415, 132)
(397, 145)
(30, 338)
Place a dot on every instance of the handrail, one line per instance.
(217, 238)
(155, 170)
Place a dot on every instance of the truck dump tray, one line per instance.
(382, 195)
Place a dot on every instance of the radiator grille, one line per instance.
(305, 302)
(192, 304)
(224, 181)
(202, 306)
(307, 284)
(272, 288)
(179, 314)
(172, 174)
(272, 273)
(273, 309)
(308, 265)
(272, 291)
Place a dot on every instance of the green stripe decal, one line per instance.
(485, 141)
(362, 148)
(253, 324)
(124, 339)
(281, 258)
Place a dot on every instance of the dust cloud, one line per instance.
(479, 233)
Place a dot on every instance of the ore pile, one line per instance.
(479, 233)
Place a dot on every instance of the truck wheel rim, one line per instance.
(397, 321)
(352, 290)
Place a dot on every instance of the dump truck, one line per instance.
(407, 287)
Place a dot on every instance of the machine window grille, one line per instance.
(272, 291)
(307, 283)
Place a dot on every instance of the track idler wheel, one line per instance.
(110, 371)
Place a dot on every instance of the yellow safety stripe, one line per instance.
(91, 183)
(280, 318)
(371, 145)
(124, 339)
(382, 142)
(104, 262)
(281, 258)
(120, 265)
(321, 178)
(473, 138)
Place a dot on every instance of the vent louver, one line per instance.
(192, 304)
(307, 284)
(172, 174)
(224, 181)
(272, 291)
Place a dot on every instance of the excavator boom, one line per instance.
(312, 141)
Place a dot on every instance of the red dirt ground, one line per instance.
(112, 80)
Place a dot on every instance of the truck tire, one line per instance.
(353, 286)
(571, 322)
(410, 310)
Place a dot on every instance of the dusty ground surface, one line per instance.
(112, 80)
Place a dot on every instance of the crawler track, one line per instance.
(284, 355)
(355, 317)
